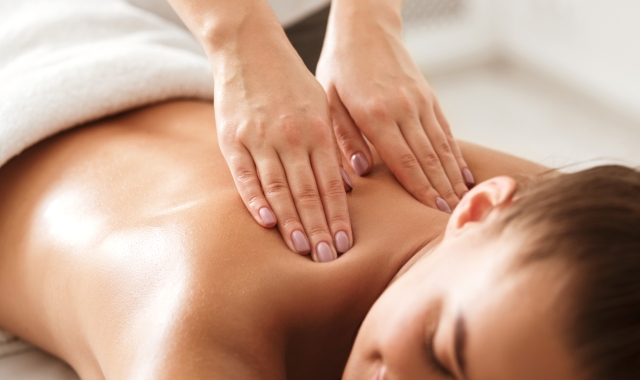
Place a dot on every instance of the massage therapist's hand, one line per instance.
(274, 130)
(374, 88)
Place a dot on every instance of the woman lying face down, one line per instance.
(126, 251)
(540, 283)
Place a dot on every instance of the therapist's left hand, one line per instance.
(374, 88)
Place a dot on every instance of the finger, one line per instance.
(444, 152)
(430, 162)
(309, 205)
(455, 148)
(246, 179)
(349, 137)
(346, 179)
(399, 158)
(334, 198)
(278, 194)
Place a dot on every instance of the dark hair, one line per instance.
(592, 219)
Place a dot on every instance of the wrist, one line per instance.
(254, 44)
(351, 14)
(243, 29)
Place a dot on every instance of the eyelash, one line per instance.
(433, 360)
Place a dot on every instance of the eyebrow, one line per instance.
(460, 341)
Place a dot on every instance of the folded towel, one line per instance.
(68, 62)
(64, 63)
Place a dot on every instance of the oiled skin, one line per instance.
(125, 250)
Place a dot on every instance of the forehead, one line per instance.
(518, 331)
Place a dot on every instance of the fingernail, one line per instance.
(468, 177)
(442, 205)
(346, 179)
(300, 242)
(267, 216)
(359, 163)
(342, 242)
(324, 252)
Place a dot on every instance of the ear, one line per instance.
(478, 203)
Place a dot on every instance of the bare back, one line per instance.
(124, 248)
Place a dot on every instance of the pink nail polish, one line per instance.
(359, 163)
(300, 242)
(346, 179)
(324, 252)
(468, 177)
(442, 205)
(342, 242)
(267, 216)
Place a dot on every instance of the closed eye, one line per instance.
(433, 359)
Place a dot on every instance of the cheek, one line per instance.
(396, 329)
(399, 338)
(399, 349)
(403, 353)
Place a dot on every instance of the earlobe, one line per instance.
(480, 202)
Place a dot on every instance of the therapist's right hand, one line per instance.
(274, 130)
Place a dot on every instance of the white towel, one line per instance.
(68, 62)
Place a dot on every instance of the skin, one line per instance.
(126, 251)
(379, 92)
(469, 308)
(273, 124)
(275, 120)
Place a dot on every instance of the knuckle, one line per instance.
(333, 188)
(227, 129)
(449, 194)
(255, 198)
(408, 161)
(242, 133)
(244, 175)
(322, 134)
(276, 187)
(431, 160)
(288, 221)
(426, 100)
(404, 100)
(429, 190)
(345, 136)
(308, 196)
(377, 108)
(445, 148)
(431, 193)
(446, 129)
(459, 184)
(292, 131)
(419, 189)
(319, 123)
(338, 219)
(297, 130)
(425, 192)
(316, 230)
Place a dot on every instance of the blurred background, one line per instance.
(554, 81)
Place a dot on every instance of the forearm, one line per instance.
(233, 32)
(345, 13)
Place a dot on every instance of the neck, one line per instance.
(420, 253)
